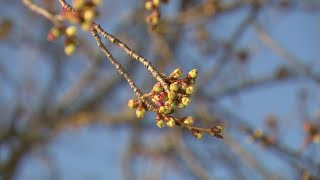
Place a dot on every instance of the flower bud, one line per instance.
(177, 73)
(86, 25)
(188, 120)
(193, 73)
(160, 123)
(89, 14)
(157, 88)
(132, 104)
(154, 18)
(197, 134)
(78, 4)
(170, 122)
(69, 48)
(185, 101)
(168, 109)
(148, 5)
(189, 90)
(180, 105)
(71, 31)
(53, 34)
(162, 110)
(184, 86)
(170, 103)
(156, 2)
(174, 87)
(172, 95)
(157, 97)
(220, 128)
(140, 112)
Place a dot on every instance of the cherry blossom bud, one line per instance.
(189, 90)
(157, 88)
(197, 134)
(148, 5)
(193, 73)
(132, 104)
(177, 73)
(188, 120)
(171, 95)
(174, 87)
(69, 48)
(161, 123)
(156, 2)
(140, 112)
(89, 14)
(53, 34)
(170, 122)
(185, 101)
(71, 31)
(78, 4)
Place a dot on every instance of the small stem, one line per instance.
(133, 54)
(35, 8)
(122, 71)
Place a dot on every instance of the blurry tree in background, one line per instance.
(62, 73)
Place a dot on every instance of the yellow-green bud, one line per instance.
(180, 105)
(154, 19)
(71, 31)
(188, 120)
(220, 128)
(174, 87)
(197, 134)
(132, 104)
(185, 101)
(89, 14)
(157, 88)
(177, 73)
(156, 2)
(171, 122)
(53, 34)
(140, 112)
(148, 5)
(78, 4)
(170, 103)
(184, 86)
(162, 109)
(168, 109)
(172, 95)
(160, 123)
(86, 25)
(189, 90)
(193, 73)
(69, 48)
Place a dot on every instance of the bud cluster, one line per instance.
(154, 15)
(70, 37)
(167, 102)
(86, 12)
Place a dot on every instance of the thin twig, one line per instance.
(35, 8)
(134, 55)
(122, 71)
